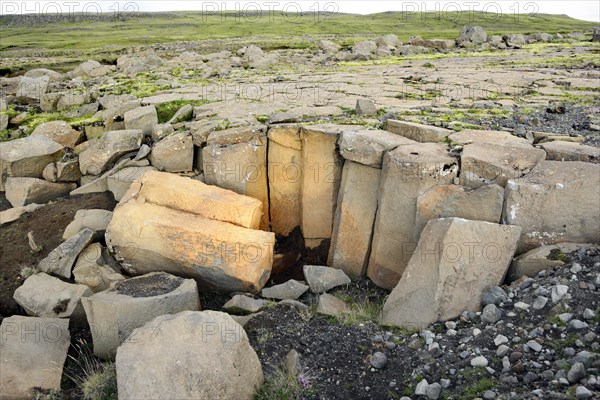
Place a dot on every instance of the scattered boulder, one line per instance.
(365, 108)
(388, 41)
(185, 113)
(23, 191)
(32, 88)
(97, 220)
(128, 304)
(556, 202)
(60, 132)
(33, 351)
(515, 40)
(472, 34)
(27, 157)
(331, 305)
(175, 153)
(96, 268)
(596, 35)
(363, 51)
(456, 260)
(42, 295)
(328, 47)
(321, 279)
(60, 261)
(106, 150)
(204, 355)
(219, 254)
(290, 290)
(138, 63)
(242, 304)
(143, 118)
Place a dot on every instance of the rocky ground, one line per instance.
(535, 338)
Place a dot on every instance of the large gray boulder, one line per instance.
(97, 158)
(60, 261)
(27, 157)
(190, 355)
(42, 295)
(95, 219)
(96, 268)
(114, 313)
(33, 351)
(175, 153)
(473, 34)
(455, 262)
(59, 131)
(143, 118)
(23, 191)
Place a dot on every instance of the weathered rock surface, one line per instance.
(285, 175)
(27, 157)
(112, 145)
(60, 261)
(556, 202)
(473, 34)
(114, 313)
(175, 153)
(33, 351)
(418, 132)
(60, 132)
(22, 191)
(204, 355)
(42, 295)
(97, 220)
(443, 201)
(320, 279)
(487, 163)
(407, 172)
(456, 260)
(96, 269)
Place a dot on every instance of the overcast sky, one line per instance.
(581, 9)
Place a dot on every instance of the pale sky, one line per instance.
(581, 9)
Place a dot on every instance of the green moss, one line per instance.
(476, 390)
(166, 111)
(558, 255)
(262, 118)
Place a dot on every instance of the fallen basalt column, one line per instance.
(114, 313)
(185, 227)
(456, 260)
